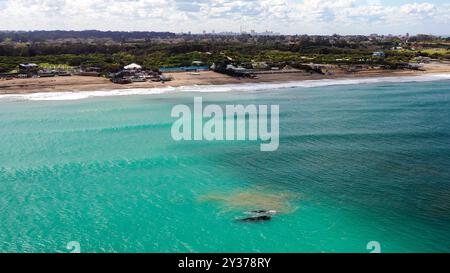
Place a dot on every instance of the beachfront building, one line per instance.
(135, 73)
(422, 59)
(198, 63)
(28, 66)
(379, 54)
(133, 66)
(28, 69)
(260, 65)
(184, 69)
(90, 71)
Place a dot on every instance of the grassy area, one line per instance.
(49, 66)
(436, 51)
(154, 55)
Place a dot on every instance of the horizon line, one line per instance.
(220, 32)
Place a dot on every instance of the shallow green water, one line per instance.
(356, 163)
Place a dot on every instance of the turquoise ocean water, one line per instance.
(356, 163)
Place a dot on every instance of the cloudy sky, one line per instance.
(285, 16)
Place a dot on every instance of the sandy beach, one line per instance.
(83, 83)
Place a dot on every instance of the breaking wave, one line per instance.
(245, 87)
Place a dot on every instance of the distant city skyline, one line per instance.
(323, 17)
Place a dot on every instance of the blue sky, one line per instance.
(285, 16)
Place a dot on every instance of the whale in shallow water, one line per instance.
(256, 219)
(262, 211)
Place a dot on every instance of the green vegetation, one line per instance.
(110, 54)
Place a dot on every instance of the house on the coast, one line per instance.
(28, 66)
(135, 73)
(184, 69)
(133, 66)
(28, 69)
(198, 63)
(411, 66)
(422, 59)
(260, 65)
(379, 54)
(90, 71)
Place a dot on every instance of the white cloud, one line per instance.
(287, 16)
(414, 9)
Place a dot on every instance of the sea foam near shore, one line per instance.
(245, 87)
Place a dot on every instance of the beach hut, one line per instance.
(133, 66)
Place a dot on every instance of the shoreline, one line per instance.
(186, 80)
(220, 88)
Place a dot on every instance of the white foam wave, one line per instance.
(245, 87)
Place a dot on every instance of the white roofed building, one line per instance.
(133, 66)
